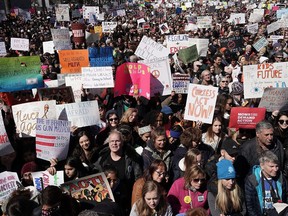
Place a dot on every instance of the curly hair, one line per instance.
(189, 135)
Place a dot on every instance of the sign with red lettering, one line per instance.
(244, 117)
(5, 145)
(43, 179)
(9, 182)
(274, 99)
(94, 187)
(72, 60)
(133, 79)
(200, 103)
(261, 76)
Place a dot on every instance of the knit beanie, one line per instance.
(225, 169)
(29, 167)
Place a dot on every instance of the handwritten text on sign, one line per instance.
(52, 139)
(97, 77)
(8, 184)
(200, 103)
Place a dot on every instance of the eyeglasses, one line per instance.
(224, 81)
(160, 174)
(230, 104)
(282, 121)
(199, 180)
(113, 119)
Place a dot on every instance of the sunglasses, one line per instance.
(233, 155)
(223, 81)
(199, 180)
(113, 119)
(282, 122)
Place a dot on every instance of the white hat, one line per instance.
(262, 59)
(182, 165)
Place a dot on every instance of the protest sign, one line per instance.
(132, 79)
(52, 139)
(89, 9)
(9, 182)
(204, 21)
(21, 44)
(244, 117)
(3, 49)
(26, 114)
(259, 44)
(274, 27)
(5, 145)
(274, 99)
(20, 73)
(201, 44)
(92, 18)
(181, 83)
(61, 39)
(164, 28)
(234, 43)
(253, 28)
(177, 63)
(97, 77)
(281, 12)
(94, 187)
(150, 49)
(72, 60)
(200, 103)
(62, 12)
(98, 29)
(100, 56)
(61, 94)
(275, 38)
(83, 114)
(43, 179)
(161, 80)
(75, 81)
(78, 32)
(51, 83)
(108, 26)
(255, 18)
(91, 37)
(261, 76)
(237, 18)
(176, 42)
(189, 54)
(48, 47)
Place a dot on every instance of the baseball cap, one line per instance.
(230, 146)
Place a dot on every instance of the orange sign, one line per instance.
(72, 60)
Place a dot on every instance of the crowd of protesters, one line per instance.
(158, 163)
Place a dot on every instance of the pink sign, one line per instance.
(132, 79)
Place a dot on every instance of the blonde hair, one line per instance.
(225, 196)
(192, 173)
(126, 114)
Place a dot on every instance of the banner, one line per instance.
(94, 187)
(5, 145)
(204, 21)
(150, 49)
(43, 179)
(62, 12)
(75, 81)
(259, 44)
(274, 99)
(181, 83)
(161, 80)
(234, 43)
(188, 55)
(83, 114)
(9, 182)
(89, 9)
(52, 139)
(253, 28)
(100, 56)
(261, 76)
(20, 73)
(133, 79)
(26, 114)
(2, 49)
(61, 39)
(21, 44)
(108, 26)
(244, 117)
(48, 47)
(200, 103)
(97, 77)
(61, 94)
(72, 60)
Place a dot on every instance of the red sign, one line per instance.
(244, 117)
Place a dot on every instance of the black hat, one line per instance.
(230, 146)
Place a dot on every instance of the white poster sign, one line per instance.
(3, 49)
(200, 103)
(75, 81)
(5, 145)
(52, 139)
(161, 80)
(21, 44)
(273, 27)
(150, 49)
(43, 179)
(204, 21)
(83, 113)
(62, 12)
(177, 42)
(48, 47)
(258, 77)
(61, 39)
(89, 9)
(255, 18)
(97, 77)
(108, 26)
(164, 28)
(253, 28)
(9, 182)
(26, 114)
(237, 18)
